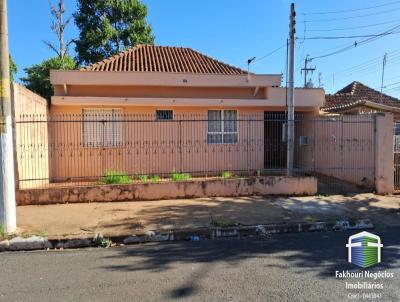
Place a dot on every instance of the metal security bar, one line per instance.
(80, 149)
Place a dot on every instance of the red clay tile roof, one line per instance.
(355, 93)
(148, 58)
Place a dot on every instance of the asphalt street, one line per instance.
(291, 267)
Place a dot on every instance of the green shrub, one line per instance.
(180, 176)
(144, 178)
(155, 178)
(115, 177)
(226, 174)
(224, 222)
(2, 232)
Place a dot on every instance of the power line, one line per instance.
(368, 62)
(351, 10)
(353, 27)
(347, 37)
(353, 17)
(355, 44)
(270, 53)
(255, 60)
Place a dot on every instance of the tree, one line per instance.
(38, 76)
(58, 26)
(108, 27)
(13, 69)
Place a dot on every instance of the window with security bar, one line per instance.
(164, 115)
(102, 127)
(222, 127)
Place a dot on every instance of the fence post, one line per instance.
(180, 145)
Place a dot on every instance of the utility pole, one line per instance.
(7, 182)
(383, 74)
(306, 69)
(290, 117)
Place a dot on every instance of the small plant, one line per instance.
(224, 222)
(144, 178)
(2, 232)
(115, 177)
(155, 178)
(309, 219)
(226, 174)
(180, 176)
(100, 241)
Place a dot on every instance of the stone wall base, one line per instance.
(264, 185)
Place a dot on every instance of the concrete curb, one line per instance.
(261, 230)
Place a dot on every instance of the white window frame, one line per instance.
(222, 132)
(89, 141)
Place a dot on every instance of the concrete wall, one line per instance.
(271, 185)
(31, 138)
(384, 157)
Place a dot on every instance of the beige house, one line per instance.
(154, 110)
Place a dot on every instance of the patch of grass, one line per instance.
(224, 222)
(155, 178)
(144, 178)
(180, 176)
(309, 219)
(2, 232)
(115, 177)
(102, 242)
(226, 174)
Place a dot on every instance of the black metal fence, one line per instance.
(76, 149)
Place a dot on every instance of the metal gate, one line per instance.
(396, 154)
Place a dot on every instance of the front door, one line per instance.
(274, 142)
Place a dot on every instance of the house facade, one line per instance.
(154, 110)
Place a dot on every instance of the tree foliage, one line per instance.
(108, 27)
(13, 69)
(38, 75)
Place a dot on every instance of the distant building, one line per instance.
(357, 98)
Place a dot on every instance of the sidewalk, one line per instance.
(127, 218)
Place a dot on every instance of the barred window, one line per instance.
(164, 115)
(102, 127)
(222, 127)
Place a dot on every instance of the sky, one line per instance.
(235, 30)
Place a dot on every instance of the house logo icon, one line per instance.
(364, 249)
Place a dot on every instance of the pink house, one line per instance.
(155, 109)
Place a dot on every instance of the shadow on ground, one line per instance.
(320, 253)
(259, 210)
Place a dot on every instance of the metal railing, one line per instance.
(77, 149)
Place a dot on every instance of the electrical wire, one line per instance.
(353, 27)
(269, 54)
(352, 17)
(346, 37)
(352, 10)
(355, 44)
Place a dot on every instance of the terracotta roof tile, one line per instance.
(357, 92)
(149, 58)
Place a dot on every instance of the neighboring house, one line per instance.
(357, 98)
(114, 114)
